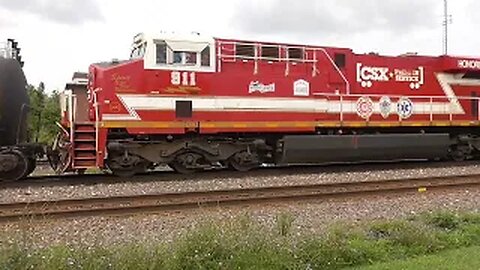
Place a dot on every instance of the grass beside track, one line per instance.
(459, 259)
(245, 244)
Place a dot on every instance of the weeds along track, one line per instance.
(155, 203)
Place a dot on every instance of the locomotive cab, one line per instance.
(175, 52)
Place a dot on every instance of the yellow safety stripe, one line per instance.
(278, 124)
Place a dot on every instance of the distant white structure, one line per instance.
(10, 49)
(6, 50)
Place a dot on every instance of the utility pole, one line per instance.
(447, 19)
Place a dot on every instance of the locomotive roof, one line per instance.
(190, 37)
(197, 42)
(194, 37)
(198, 38)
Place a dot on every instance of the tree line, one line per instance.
(43, 114)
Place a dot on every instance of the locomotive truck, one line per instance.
(194, 102)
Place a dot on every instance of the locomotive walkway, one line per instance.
(156, 203)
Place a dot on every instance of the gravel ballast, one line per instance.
(163, 183)
(311, 216)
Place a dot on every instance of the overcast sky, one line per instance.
(59, 37)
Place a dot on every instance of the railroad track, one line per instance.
(155, 203)
(93, 179)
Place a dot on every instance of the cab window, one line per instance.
(182, 53)
(185, 58)
(161, 52)
(205, 57)
(177, 58)
(190, 58)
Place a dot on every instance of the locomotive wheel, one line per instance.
(20, 169)
(60, 156)
(126, 165)
(459, 153)
(243, 161)
(187, 163)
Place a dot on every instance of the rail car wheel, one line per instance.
(32, 164)
(126, 165)
(187, 163)
(243, 161)
(14, 166)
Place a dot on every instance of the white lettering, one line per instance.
(175, 78)
(261, 88)
(366, 75)
(183, 78)
(471, 64)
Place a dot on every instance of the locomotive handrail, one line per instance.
(432, 101)
(279, 59)
(258, 57)
(398, 96)
(347, 84)
(96, 105)
(71, 113)
(431, 109)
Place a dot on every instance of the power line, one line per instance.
(447, 20)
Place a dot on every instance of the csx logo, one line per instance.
(366, 75)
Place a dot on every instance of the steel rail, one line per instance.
(99, 178)
(155, 203)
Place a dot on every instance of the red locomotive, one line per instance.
(196, 103)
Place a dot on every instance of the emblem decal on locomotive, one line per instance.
(301, 88)
(256, 86)
(385, 105)
(365, 107)
(404, 108)
(367, 75)
(122, 83)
